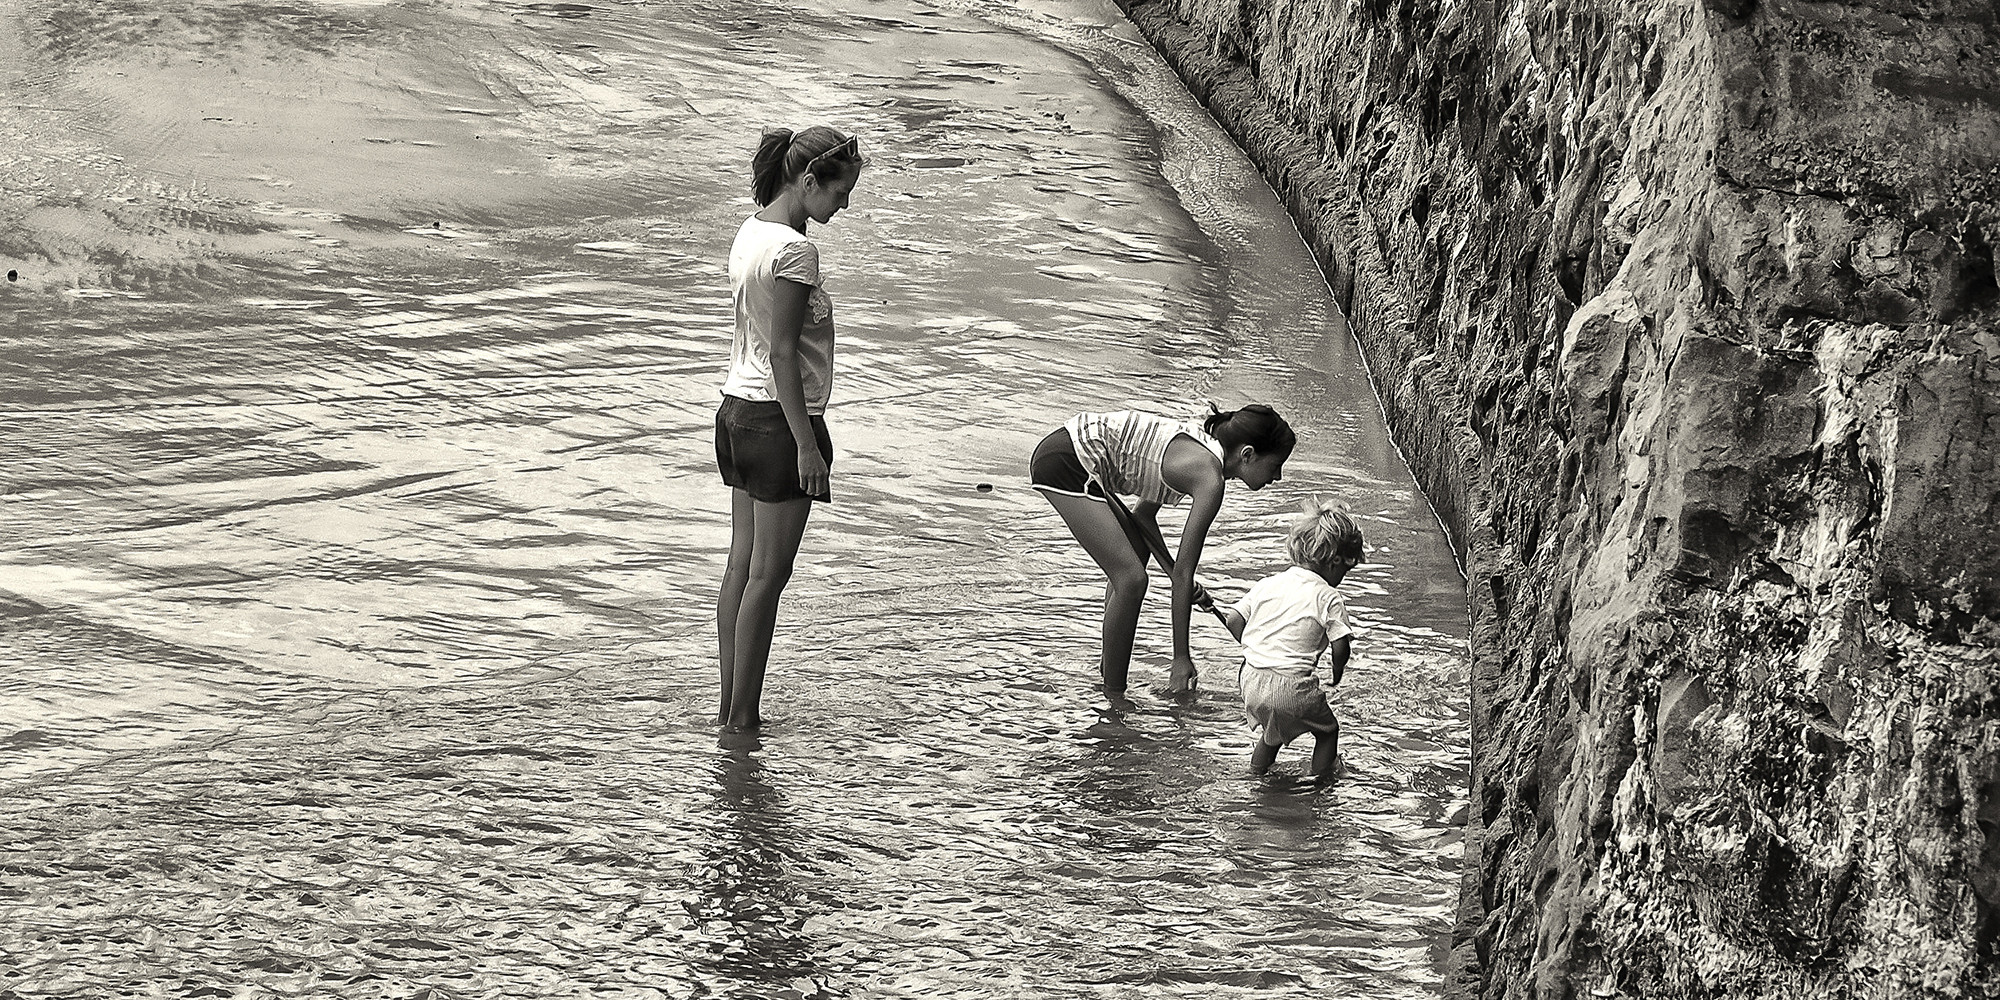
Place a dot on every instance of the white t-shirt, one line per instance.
(764, 254)
(1288, 620)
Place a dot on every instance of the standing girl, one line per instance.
(770, 434)
(1285, 623)
(1158, 460)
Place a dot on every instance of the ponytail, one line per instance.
(783, 156)
(767, 167)
(1325, 537)
(1256, 425)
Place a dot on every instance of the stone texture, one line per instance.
(1686, 315)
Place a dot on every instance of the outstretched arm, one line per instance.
(1193, 470)
(1207, 501)
(1145, 518)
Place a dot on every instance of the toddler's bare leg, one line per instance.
(1326, 764)
(1263, 757)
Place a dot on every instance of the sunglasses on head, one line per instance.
(850, 149)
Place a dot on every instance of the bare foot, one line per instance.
(1118, 705)
(736, 739)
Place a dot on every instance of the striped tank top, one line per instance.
(1122, 450)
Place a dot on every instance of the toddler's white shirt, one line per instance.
(1288, 620)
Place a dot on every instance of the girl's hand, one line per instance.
(812, 471)
(1181, 676)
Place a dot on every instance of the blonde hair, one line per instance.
(1324, 537)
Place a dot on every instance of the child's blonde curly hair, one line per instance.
(1325, 537)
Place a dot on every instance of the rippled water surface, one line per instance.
(360, 528)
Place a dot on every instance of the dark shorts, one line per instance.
(756, 453)
(1056, 469)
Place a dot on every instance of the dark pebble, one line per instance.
(985, 487)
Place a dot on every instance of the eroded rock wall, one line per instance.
(1686, 313)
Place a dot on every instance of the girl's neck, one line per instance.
(786, 210)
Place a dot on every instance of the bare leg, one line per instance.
(1123, 560)
(777, 529)
(1326, 764)
(730, 601)
(1263, 757)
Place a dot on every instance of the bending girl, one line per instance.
(771, 441)
(1159, 461)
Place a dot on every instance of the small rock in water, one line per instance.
(13, 275)
(982, 487)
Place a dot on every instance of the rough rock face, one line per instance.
(1687, 314)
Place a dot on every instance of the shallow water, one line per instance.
(360, 530)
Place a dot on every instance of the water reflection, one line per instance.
(1123, 771)
(751, 907)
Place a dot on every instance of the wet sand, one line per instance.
(361, 538)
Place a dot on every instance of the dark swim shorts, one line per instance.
(756, 453)
(1056, 469)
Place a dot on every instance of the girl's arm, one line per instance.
(1194, 470)
(789, 321)
(1235, 623)
(1145, 515)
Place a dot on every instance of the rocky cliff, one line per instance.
(1686, 313)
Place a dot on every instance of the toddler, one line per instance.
(1285, 623)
